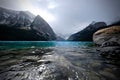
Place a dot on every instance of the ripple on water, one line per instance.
(55, 64)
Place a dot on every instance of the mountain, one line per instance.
(23, 25)
(43, 28)
(87, 33)
(59, 38)
(15, 18)
(117, 23)
(8, 33)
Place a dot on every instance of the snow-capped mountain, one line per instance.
(23, 22)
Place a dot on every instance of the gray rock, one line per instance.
(111, 35)
(109, 41)
(110, 52)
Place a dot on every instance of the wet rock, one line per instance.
(110, 52)
(44, 61)
(108, 75)
(29, 60)
(110, 43)
(93, 75)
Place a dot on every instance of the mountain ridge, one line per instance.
(24, 21)
(87, 33)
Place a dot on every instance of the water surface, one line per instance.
(51, 60)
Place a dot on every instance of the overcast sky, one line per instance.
(68, 16)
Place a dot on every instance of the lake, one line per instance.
(54, 60)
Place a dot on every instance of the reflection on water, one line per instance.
(54, 61)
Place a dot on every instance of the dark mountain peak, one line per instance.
(117, 23)
(96, 25)
(40, 25)
(38, 16)
(87, 33)
(38, 19)
(93, 22)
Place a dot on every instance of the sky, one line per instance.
(68, 16)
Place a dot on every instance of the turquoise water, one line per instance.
(54, 60)
(32, 44)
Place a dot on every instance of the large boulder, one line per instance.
(109, 41)
(107, 34)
